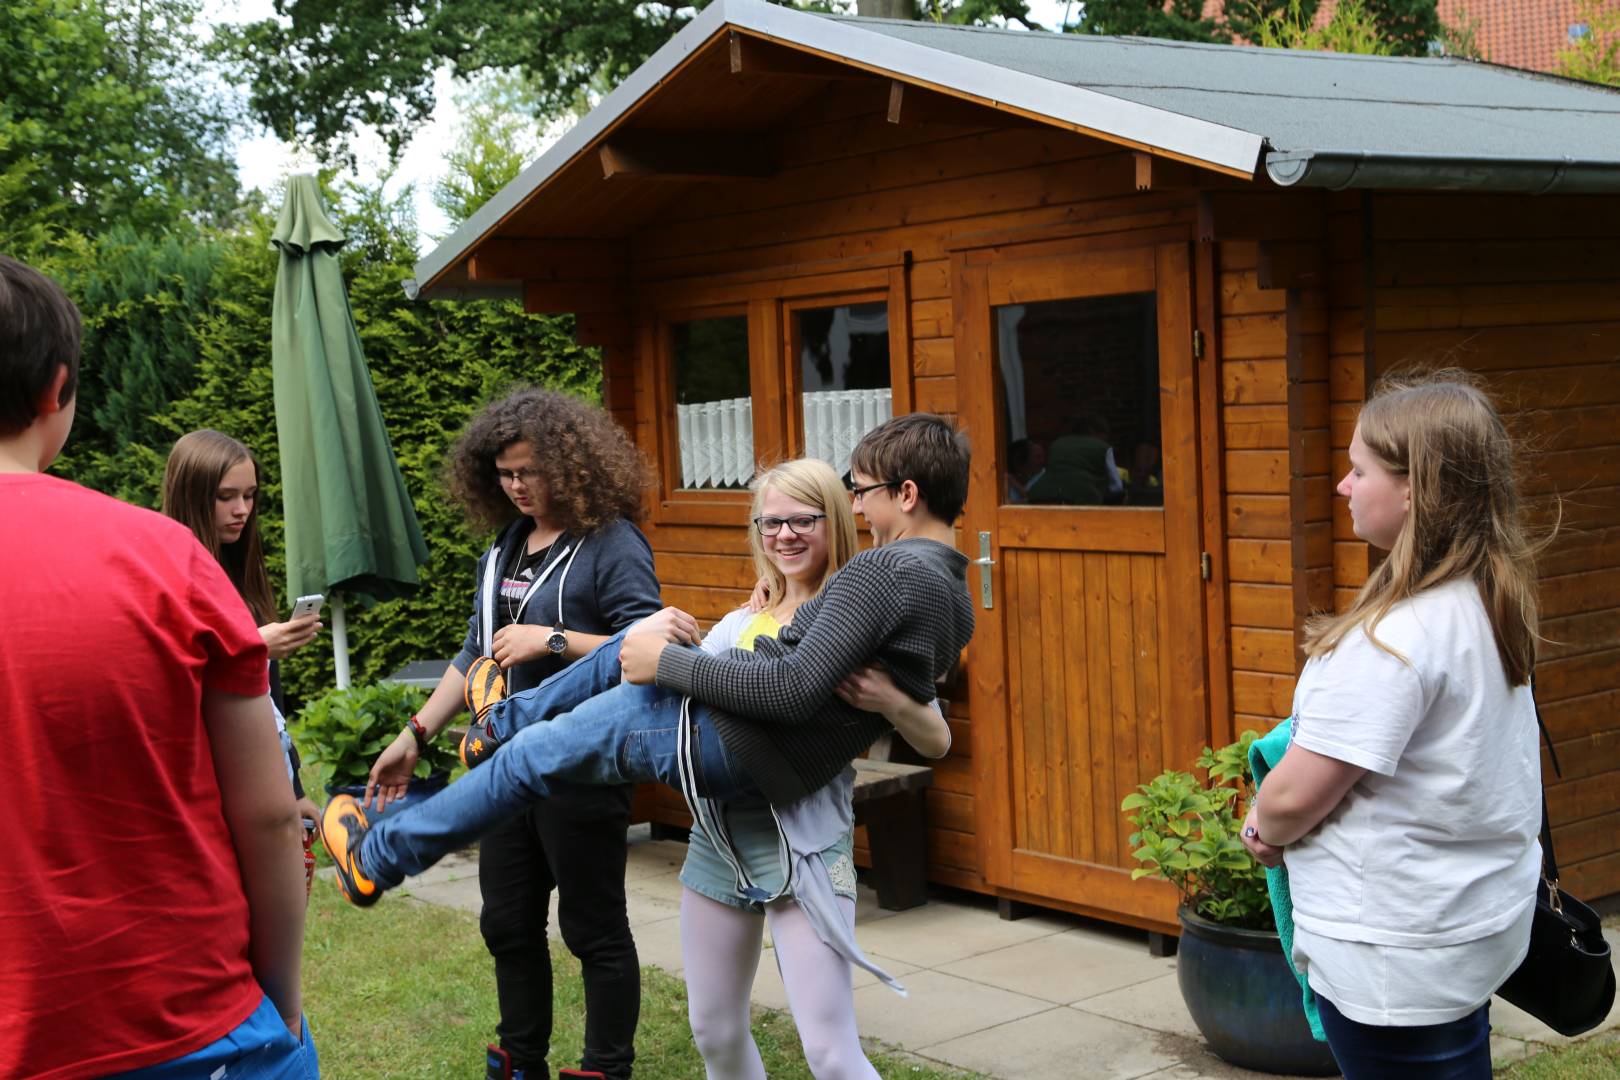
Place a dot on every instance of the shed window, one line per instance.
(845, 382)
(1080, 381)
(714, 412)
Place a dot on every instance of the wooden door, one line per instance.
(1088, 671)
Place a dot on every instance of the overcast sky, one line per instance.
(264, 160)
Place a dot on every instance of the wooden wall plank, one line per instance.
(1528, 296)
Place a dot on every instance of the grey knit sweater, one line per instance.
(904, 605)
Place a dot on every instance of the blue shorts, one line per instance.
(753, 832)
(259, 1048)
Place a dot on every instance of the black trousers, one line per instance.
(574, 843)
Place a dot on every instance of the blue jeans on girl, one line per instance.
(596, 732)
(1458, 1050)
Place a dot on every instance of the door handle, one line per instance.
(987, 595)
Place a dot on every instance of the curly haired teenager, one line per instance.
(567, 569)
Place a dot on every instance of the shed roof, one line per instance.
(1315, 119)
(1444, 122)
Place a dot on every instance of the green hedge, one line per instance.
(178, 338)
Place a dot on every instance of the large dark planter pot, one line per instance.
(419, 788)
(1244, 999)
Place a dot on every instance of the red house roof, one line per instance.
(1518, 33)
(1515, 33)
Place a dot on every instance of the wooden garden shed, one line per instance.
(1187, 262)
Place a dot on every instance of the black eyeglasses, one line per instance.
(512, 476)
(857, 492)
(798, 524)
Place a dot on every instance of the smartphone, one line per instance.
(307, 605)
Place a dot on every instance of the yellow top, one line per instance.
(762, 624)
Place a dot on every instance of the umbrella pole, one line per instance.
(340, 642)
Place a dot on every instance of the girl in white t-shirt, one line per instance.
(1408, 805)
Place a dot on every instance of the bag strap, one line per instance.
(1549, 861)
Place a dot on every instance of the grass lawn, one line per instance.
(405, 989)
(1598, 1060)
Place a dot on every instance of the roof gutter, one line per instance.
(1340, 169)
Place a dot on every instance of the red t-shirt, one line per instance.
(123, 923)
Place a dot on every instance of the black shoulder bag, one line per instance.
(1567, 978)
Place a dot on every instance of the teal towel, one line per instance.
(1263, 757)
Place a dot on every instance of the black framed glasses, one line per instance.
(857, 492)
(527, 476)
(798, 524)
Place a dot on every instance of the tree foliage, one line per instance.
(1350, 29)
(1406, 26)
(497, 138)
(1245, 18)
(106, 116)
(1461, 38)
(1178, 20)
(1595, 55)
(324, 67)
(1391, 27)
(320, 68)
(432, 364)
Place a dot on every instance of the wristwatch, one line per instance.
(557, 642)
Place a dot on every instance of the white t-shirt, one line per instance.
(1437, 844)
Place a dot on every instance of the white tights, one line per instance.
(720, 947)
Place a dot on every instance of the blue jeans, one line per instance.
(598, 733)
(1457, 1050)
(259, 1048)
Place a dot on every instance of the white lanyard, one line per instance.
(491, 593)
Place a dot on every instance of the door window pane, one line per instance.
(714, 411)
(844, 372)
(1080, 381)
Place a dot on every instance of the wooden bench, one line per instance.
(891, 801)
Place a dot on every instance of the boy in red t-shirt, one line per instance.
(133, 936)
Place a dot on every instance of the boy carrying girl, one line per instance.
(767, 721)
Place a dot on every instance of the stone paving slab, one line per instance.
(937, 1008)
(1154, 1004)
(1057, 1044)
(1063, 968)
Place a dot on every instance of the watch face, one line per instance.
(557, 642)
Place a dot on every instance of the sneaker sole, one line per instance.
(486, 685)
(343, 823)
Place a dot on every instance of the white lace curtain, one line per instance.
(835, 420)
(717, 443)
(717, 437)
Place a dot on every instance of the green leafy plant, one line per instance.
(342, 731)
(1188, 834)
(1352, 28)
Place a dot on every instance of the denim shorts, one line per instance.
(753, 831)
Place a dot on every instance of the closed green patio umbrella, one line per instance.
(351, 527)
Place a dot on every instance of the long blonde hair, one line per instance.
(1442, 433)
(813, 483)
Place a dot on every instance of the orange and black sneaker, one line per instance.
(343, 823)
(486, 685)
